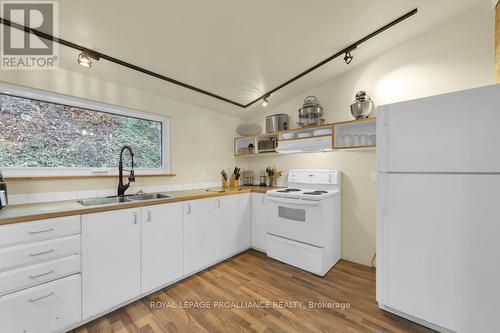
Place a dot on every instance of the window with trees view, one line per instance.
(35, 133)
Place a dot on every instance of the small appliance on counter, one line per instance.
(276, 122)
(263, 181)
(3, 192)
(248, 177)
(362, 107)
(311, 113)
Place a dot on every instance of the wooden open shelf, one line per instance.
(343, 127)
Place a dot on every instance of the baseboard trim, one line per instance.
(415, 319)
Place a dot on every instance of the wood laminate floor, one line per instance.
(254, 285)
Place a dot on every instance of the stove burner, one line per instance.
(288, 190)
(316, 192)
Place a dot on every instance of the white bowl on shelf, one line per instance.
(304, 135)
(288, 136)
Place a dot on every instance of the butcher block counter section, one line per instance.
(45, 210)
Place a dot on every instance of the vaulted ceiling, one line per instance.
(234, 48)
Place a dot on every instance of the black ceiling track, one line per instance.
(98, 55)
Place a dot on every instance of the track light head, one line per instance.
(265, 101)
(348, 57)
(84, 60)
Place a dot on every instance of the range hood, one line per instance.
(305, 145)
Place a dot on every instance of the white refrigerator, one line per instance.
(438, 210)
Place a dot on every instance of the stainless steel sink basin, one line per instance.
(117, 199)
(148, 196)
(102, 201)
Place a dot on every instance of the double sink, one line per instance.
(120, 199)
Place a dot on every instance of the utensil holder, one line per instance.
(273, 181)
(234, 182)
(224, 183)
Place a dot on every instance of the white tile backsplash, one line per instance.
(177, 187)
(40, 197)
(164, 188)
(86, 194)
(61, 196)
(106, 192)
(17, 199)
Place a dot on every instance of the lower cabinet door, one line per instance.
(162, 242)
(259, 233)
(111, 259)
(47, 308)
(232, 218)
(201, 235)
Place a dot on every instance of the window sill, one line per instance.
(60, 177)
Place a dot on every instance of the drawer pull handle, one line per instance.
(40, 231)
(40, 275)
(40, 253)
(32, 300)
(149, 215)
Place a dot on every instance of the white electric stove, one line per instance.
(303, 220)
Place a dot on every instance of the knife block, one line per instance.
(224, 183)
(233, 182)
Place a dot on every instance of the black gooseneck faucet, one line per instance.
(131, 178)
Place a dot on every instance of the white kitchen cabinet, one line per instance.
(201, 235)
(111, 259)
(258, 215)
(162, 242)
(232, 219)
(47, 308)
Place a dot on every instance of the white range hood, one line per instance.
(305, 145)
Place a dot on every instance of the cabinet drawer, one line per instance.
(18, 233)
(27, 254)
(47, 308)
(33, 275)
(304, 256)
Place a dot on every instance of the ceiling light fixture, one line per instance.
(348, 57)
(265, 101)
(85, 59)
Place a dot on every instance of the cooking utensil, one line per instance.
(362, 107)
(249, 129)
(311, 112)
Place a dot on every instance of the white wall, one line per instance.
(456, 55)
(201, 139)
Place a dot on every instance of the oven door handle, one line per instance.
(293, 201)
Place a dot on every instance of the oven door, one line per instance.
(299, 220)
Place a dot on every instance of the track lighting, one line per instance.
(84, 60)
(348, 57)
(265, 101)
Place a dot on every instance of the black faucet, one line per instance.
(131, 178)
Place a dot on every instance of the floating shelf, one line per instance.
(346, 135)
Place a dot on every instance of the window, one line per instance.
(53, 132)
